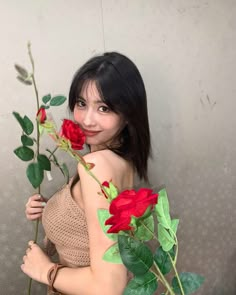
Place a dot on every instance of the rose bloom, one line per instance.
(129, 203)
(73, 133)
(41, 115)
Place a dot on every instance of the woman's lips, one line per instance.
(90, 133)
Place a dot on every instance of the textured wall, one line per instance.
(186, 53)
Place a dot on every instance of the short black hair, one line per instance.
(121, 87)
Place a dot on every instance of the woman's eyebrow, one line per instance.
(98, 101)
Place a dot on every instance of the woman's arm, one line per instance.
(101, 277)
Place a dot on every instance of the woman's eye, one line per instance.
(80, 103)
(104, 109)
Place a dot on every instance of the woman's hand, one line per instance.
(36, 263)
(34, 207)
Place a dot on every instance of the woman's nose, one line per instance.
(89, 118)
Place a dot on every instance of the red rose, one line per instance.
(73, 133)
(41, 115)
(129, 203)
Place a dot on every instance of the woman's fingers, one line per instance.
(35, 210)
(37, 204)
(34, 207)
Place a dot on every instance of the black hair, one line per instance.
(121, 87)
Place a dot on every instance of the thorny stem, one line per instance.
(162, 278)
(176, 273)
(164, 281)
(52, 153)
(176, 243)
(38, 145)
(173, 262)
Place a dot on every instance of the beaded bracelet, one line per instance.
(52, 273)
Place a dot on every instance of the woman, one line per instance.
(108, 101)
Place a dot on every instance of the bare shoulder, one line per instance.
(103, 157)
(109, 166)
(106, 160)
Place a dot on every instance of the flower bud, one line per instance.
(41, 115)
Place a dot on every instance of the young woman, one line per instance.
(108, 101)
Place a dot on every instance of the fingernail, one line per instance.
(43, 204)
(38, 196)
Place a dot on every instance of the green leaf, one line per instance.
(21, 71)
(19, 119)
(25, 123)
(190, 282)
(145, 284)
(28, 125)
(113, 190)
(174, 227)
(103, 215)
(26, 140)
(65, 172)
(46, 98)
(145, 230)
(163, 261)
(24, 153)
(34, 174)
(136, 256)
(164, 237)
(25, 81)
(44, 162)
(57, 100)
(112, 254)
(162, 209)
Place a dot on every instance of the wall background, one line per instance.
(185, 50)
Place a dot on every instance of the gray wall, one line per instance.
(185, 50)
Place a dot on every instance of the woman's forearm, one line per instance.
(82, 281)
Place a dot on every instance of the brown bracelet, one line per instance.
(52, 273)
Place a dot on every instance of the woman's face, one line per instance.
(100, 125)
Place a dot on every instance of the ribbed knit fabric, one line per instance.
(65, 226)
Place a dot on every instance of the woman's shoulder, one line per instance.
(107, 165)
(104, 157)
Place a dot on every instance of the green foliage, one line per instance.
(145, 284)
(25, 123)
(21, 71)
(162, 259)
(162, 209)
(103, 215)
(34, 174)
(24, 153)
(167, 228)
(110, 191)
(46, 98)
(165, 238)
(26, 140)
(112, 254)
(174, 227)
(44, 162)
(24, 81)
(190, 282)
(145, 230)
(136, 256)
(57, 100)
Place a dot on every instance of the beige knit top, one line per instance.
(65, 226)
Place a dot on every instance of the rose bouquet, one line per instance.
(137, 221)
